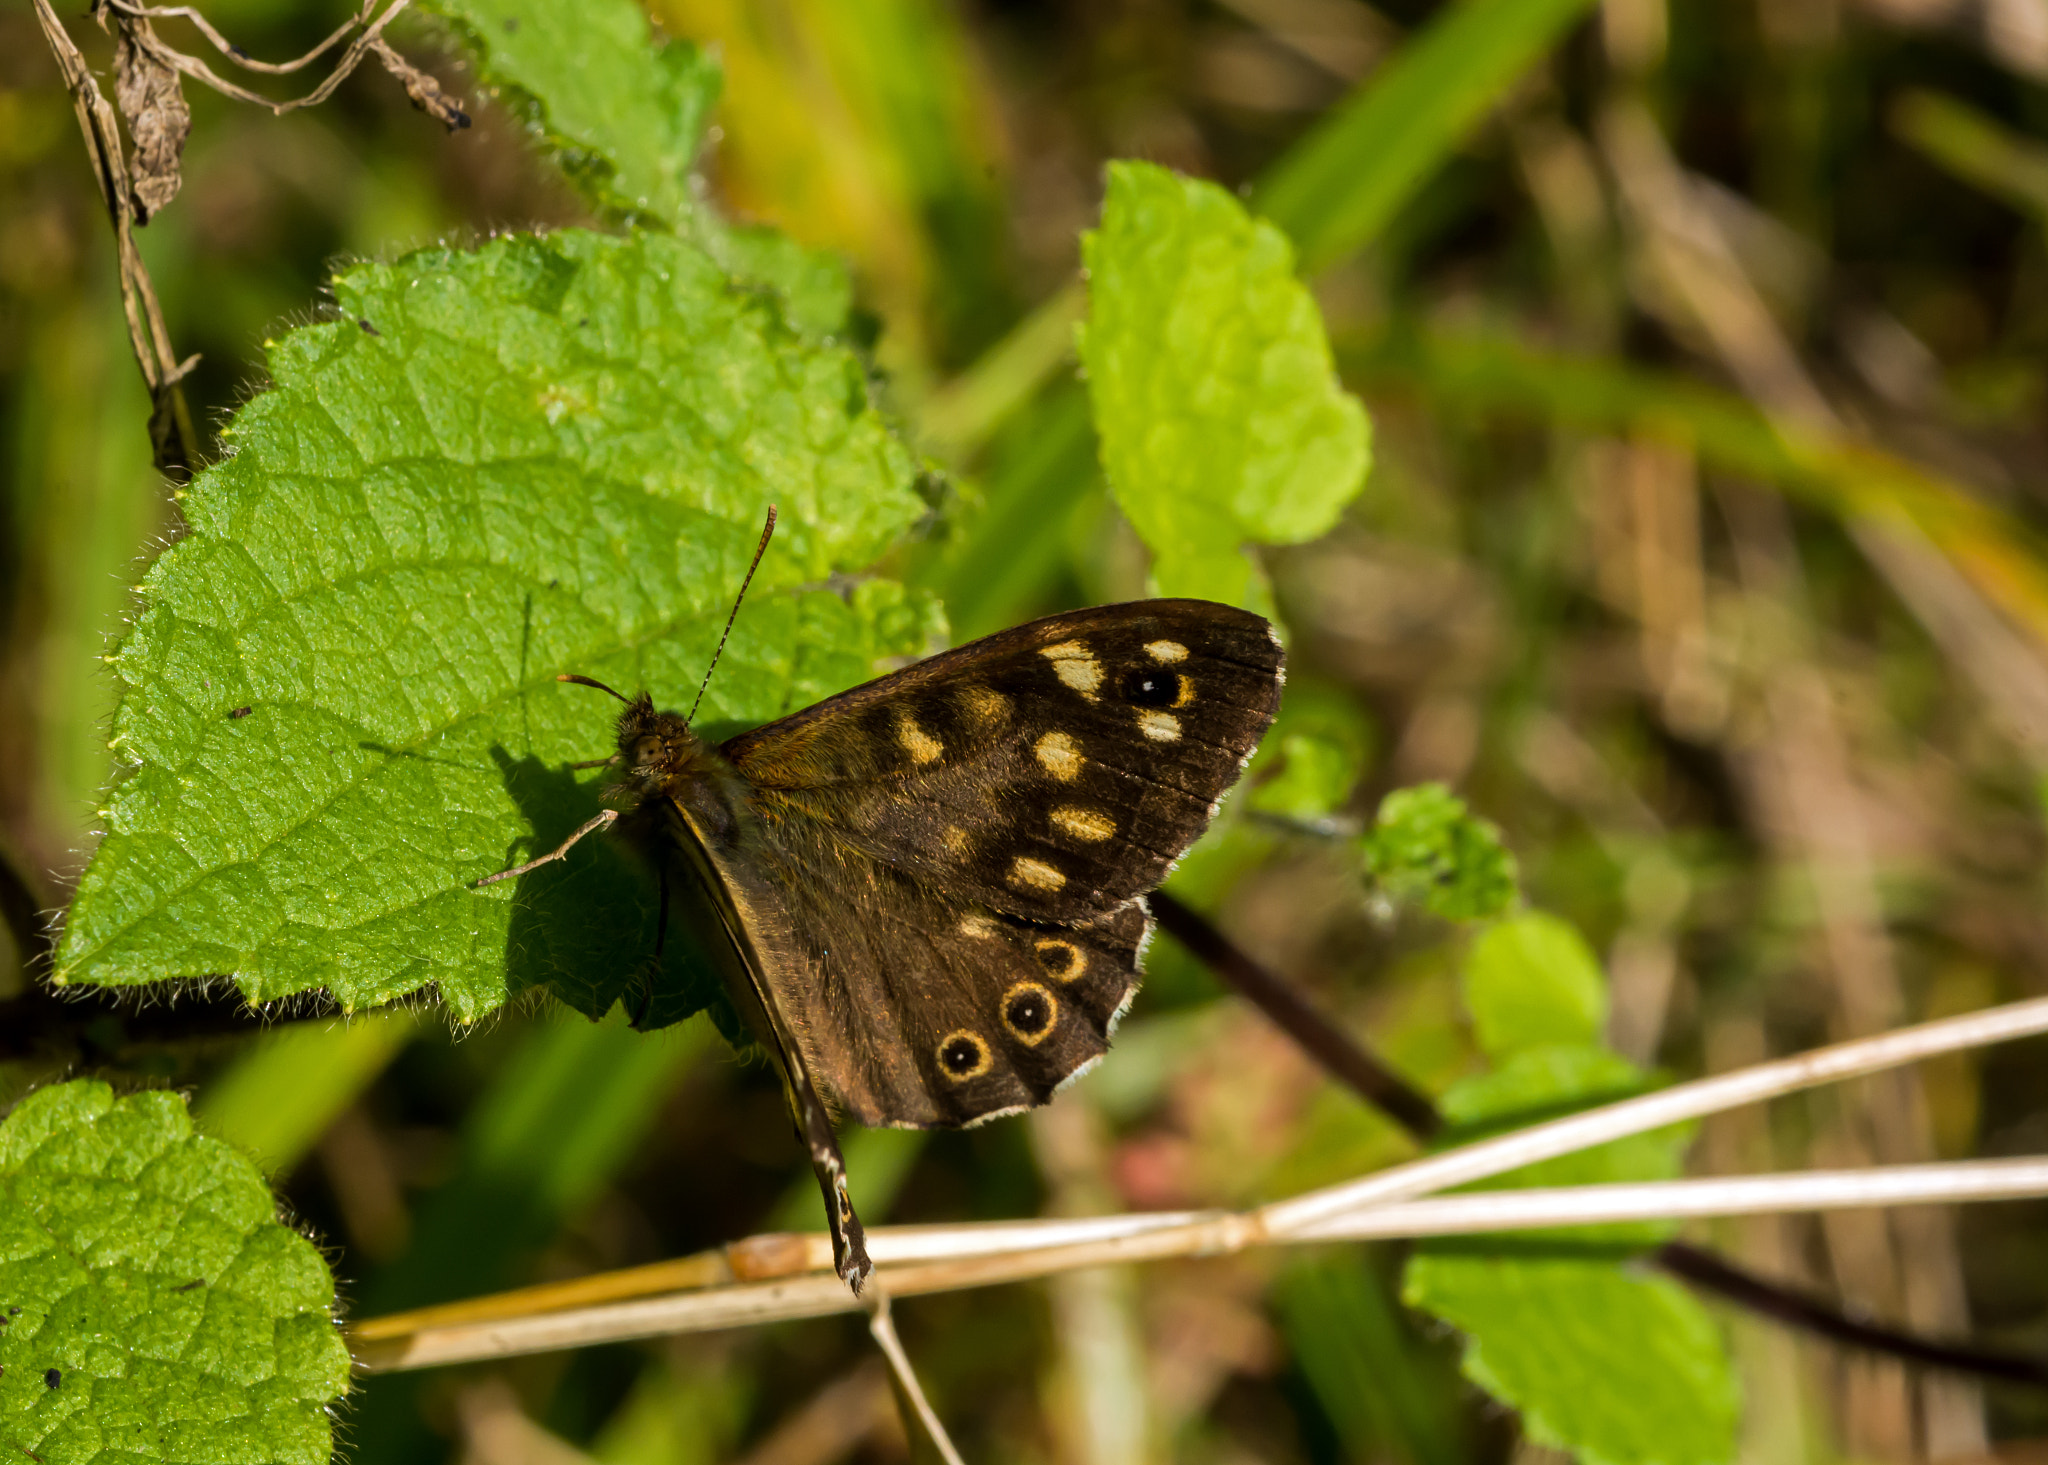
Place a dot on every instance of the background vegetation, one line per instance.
(1702, 347)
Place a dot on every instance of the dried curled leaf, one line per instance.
(424, 90)
(146, 90)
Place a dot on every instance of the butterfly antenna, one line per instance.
(760, 549)
(583, 681)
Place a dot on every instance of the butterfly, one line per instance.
(926, 895)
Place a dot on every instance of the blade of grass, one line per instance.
(277, 1099)
(1338, 187)
(2001, 557)
(1977, 149)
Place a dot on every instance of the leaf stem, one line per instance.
(1338, 1052)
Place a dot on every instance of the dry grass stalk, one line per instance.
(931, 1259)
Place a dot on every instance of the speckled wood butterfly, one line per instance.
(926, 895)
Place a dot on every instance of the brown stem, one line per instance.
(109, 1024)
(1709, 1273)
(1294, 1015)
(1345, 1059)
(170, 422)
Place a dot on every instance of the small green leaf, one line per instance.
(152, 1308)
(1620, 1368)
(1617, 1368)
(1531, 981)
(621, 113)
(1220, 417)
(339, 704)
(1428, 849)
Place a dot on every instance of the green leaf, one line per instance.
(1428, 849)
(622, 114)
(1337, 188)
(1220, 417)
(152, 1308)
(1531, 981)
(549, 455)
(1615, 1367)
(1620, 1368)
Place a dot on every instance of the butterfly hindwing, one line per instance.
(1051, 772)
(918, 1010)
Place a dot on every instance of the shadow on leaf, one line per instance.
(584, 927)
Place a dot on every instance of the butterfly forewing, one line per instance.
(1052, 772)
(954, 857)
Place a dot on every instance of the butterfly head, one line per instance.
(658, 751)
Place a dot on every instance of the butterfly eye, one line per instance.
(963, 1055)
(1029, 1011)
(646, 752)
(1151, 687)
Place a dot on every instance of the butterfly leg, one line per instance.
(814, 1128)
(604, 819)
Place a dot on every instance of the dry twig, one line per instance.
(772, 1278)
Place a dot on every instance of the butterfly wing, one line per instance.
(944, 869)
(1051, 772)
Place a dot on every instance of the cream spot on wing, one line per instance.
(1035, 874)
(1161, 727)
(919, 744)
(1062, 960)
(954, 839)
(985, 706)
(1084, 823)
(981, 928)
(1166, 653)
(1059, 756)
(1076, 666)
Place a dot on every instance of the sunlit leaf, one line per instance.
(1220, 418)
(1616, 1366)
(338, 705)
(1532, 982)
(152, 1307)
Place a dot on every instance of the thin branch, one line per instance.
(917, 1411)
(1294, 1015)
(228, 48)
(913, 1260)
(1710, 1274)
(40, 1022)
(362, 45)
(1144, 1238)
(1675, 1105)
(172, 438)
